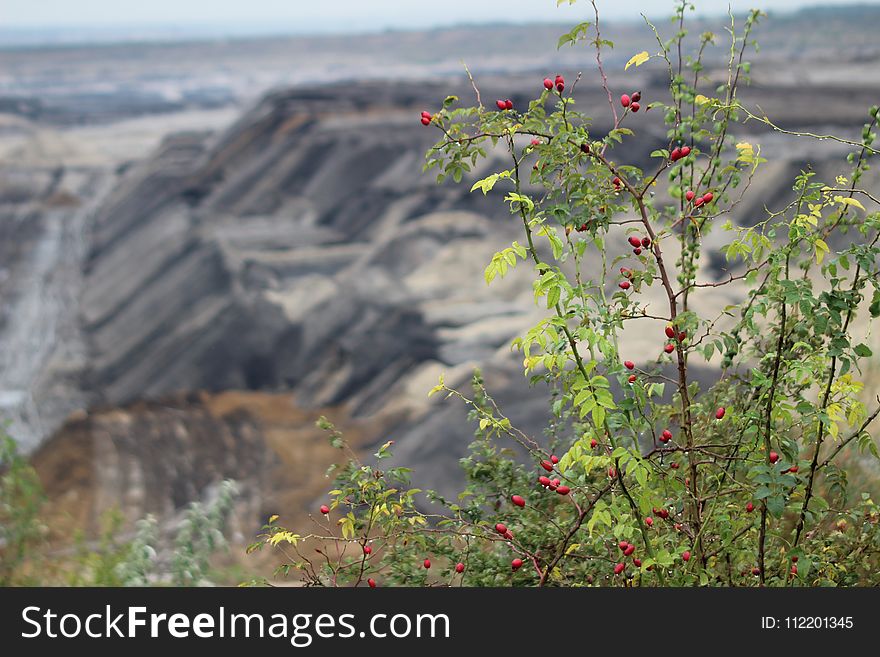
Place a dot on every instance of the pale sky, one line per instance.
(340, 15)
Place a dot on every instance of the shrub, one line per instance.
(659, 480)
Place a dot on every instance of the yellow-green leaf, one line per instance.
(745, 152)
(845, 200)
(637, 60)
(821, 250)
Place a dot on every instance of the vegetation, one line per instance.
(643, 476)
(29, 558)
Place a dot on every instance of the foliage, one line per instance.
(660, 481)
(28, 557)
(21, 500)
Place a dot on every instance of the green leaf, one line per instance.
(863, 351)
(874, 308)
(776, 506)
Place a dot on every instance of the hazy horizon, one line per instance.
(106, 20)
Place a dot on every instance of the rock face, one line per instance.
(304, 250)
(301, 252)
(155, 457)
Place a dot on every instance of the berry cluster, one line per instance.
(705, 199)
(559, 83)
(631, 102)
(679, 153)
(639, 243)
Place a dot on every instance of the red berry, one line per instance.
(632, 378)
(638, 251)
(371, 582)
(624, 285)
(707, 197)
(635, 107)
(750, 507)
(698, 202)
(719, 413)
(325, 509)
(794, 559)
(756, 571)
(666, 436)
(674, 466)
(593, 443)
(619, 568)
(623, 545)
(636, 97)
(649, 521)
(670, 332)
(548, 83)
(501, 528)
(501, 104)
(629, 550)
(635, 241)
(625, 100)
(536, 141)
(560, 87)
(585, 147)
(563, 490)
(459, 567)
(794, 570)
(616, 182)
(682, 336)
(685, 151)
(554, 459)
(646, 242)
(508, 104)
(547, 466)
(426, 563)
(774, 457)
(518, 500)
(663, 513)
(516, 564)
(544, 481)
(793, 469)
(689, 195)
(426, 120)
(686, 555)
(669, 348)
(628, 364)
(508, 535)
(555, 483)
(368, 550)
(675, 154)
(637, 563)
(426, 115)
(612, 473)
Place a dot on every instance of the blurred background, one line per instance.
(214, 229)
